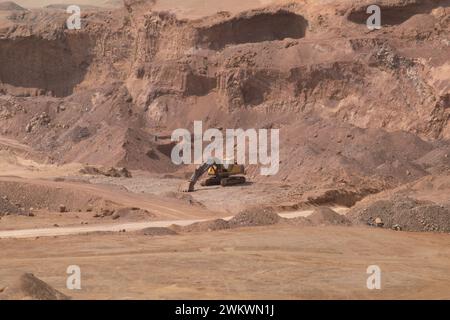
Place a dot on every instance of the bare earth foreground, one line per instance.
(282, 261)
(86, 176)
(255, 263)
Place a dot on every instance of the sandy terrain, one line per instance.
(273, 262)
(87, 179)
(256, 263)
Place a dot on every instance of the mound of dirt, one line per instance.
(404, 213)
(327, 216)
(29, 287)
(108, 172)
(155, 232)
(255, 217)
(128, 213)
(206, 226)
(260, 216)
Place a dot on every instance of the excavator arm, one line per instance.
(198, 173)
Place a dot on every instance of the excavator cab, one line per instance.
(226, 167)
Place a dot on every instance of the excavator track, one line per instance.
(214, 181)
(232, 181)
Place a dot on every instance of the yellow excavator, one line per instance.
(221, 173)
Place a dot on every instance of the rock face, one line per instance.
(357, 110)
(29, 287)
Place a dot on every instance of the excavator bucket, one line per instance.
(186, 187)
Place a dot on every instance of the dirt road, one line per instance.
(131, 226)
(51, 232)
